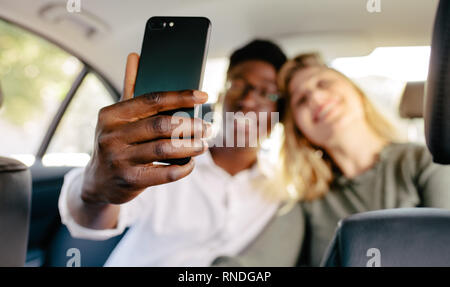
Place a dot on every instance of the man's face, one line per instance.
(252, 92)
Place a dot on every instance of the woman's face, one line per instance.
(323, 104)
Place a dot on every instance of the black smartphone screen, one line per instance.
(173, 57)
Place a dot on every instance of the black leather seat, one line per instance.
(15, 205)
(92, 253)
(394, 237)
(437, 96)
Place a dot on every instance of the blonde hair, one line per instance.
(306, 169)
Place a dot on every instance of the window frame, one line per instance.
(76, 83)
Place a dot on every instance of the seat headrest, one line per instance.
(398, 237)
(411, 104)
(11, 165)
(437, 98)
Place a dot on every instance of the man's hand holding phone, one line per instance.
(131, 135)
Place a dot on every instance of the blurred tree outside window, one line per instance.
(35, 76)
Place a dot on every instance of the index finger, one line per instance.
(150, 104)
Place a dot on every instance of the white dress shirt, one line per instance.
(189, 222)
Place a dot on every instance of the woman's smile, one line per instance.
(325, 110)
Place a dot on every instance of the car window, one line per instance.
(72, 142)
(35, 76)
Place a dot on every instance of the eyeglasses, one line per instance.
(240, 87)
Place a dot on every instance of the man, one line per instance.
(188, 221)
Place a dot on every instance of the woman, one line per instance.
(340, 155)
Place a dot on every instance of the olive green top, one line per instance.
(404, 176)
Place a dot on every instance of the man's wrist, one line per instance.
(91, 199)
(89, 194)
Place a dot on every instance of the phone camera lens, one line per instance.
(157, 24)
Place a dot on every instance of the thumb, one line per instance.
(130, 76)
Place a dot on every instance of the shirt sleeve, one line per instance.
(433, 181)
(129, 211)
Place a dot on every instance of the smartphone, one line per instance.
(173, 58)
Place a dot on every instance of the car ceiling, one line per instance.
(107, 30)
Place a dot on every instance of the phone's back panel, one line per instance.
(173, 54)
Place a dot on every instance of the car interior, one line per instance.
(59, 68)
